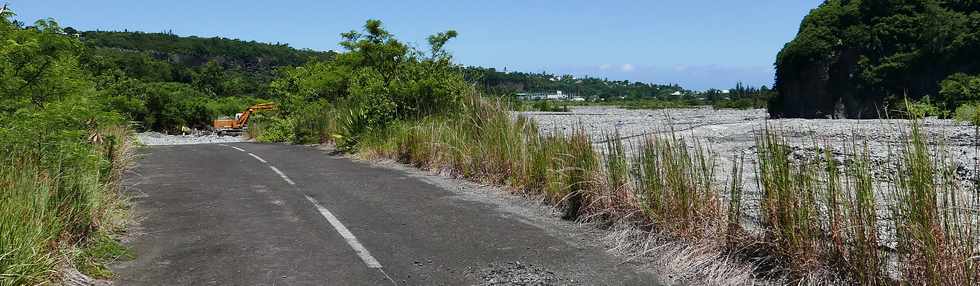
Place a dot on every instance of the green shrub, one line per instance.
(366, 93)
(63, 152)
(548, 106)
(278, 130)
(923, 107)
(969, 113)
(229, 105)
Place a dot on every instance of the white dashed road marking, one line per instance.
(258, 158)
(348, 236)
(284, 177)
(233, 147)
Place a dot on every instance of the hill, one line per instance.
(218, 66)
(862, 58)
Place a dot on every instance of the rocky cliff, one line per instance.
(862, 58)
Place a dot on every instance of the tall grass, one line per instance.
(788, 208)
(821, 217)
(934, 217)
(53, 204)
(676, 184)
(823, 213)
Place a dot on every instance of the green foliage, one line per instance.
(658, 104)
(229, 106)
(38, 65)
(959, 88)
(969, 113)
(923, 107)
(492, 81)
(246, 54)
(168, 82)
(63, 151)
(377, 81)
(548, 106)
(277, 130)
(98, 251)
(171, 106)
(859, 54)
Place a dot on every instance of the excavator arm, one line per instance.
(223, 126)
(242, 120)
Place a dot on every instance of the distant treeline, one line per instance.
(492, 81)
(215, 66)
(629, 94)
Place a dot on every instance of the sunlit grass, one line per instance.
(820, 217)
(50, 205)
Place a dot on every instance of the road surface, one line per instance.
(270, 214)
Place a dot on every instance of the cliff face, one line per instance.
(861, 59)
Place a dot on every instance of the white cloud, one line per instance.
(627, 68)
(605, 66)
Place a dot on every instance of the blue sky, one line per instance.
(698, 44)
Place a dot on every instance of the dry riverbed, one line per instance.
(727, 133)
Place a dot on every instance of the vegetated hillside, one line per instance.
(195, 51)
(167, 82)
(862, 58)
(217, 66)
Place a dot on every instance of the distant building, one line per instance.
(556, 95)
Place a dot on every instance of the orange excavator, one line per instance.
(235, 126)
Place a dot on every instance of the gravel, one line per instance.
(727, 132)
(517, 273)
(156, 138)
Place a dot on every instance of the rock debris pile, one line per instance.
(156, 138)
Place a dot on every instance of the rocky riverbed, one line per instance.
(727, 132)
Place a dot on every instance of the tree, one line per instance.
(854, 58)
(960, 88)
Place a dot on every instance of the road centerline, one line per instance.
(233, 147)
(283, 175)
(344, 232)
(361, 251)
(258, 158)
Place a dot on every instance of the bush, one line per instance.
(960, 88)
(548, 106)
(923, 107)
(969, 113)
(278, 130)
(229, 105)
(63, 152)
(366, 93)
(63, 165)
(175, 105)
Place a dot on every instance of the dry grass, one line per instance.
(819, 218)
(680, 262)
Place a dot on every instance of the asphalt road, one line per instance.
(268, 214)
